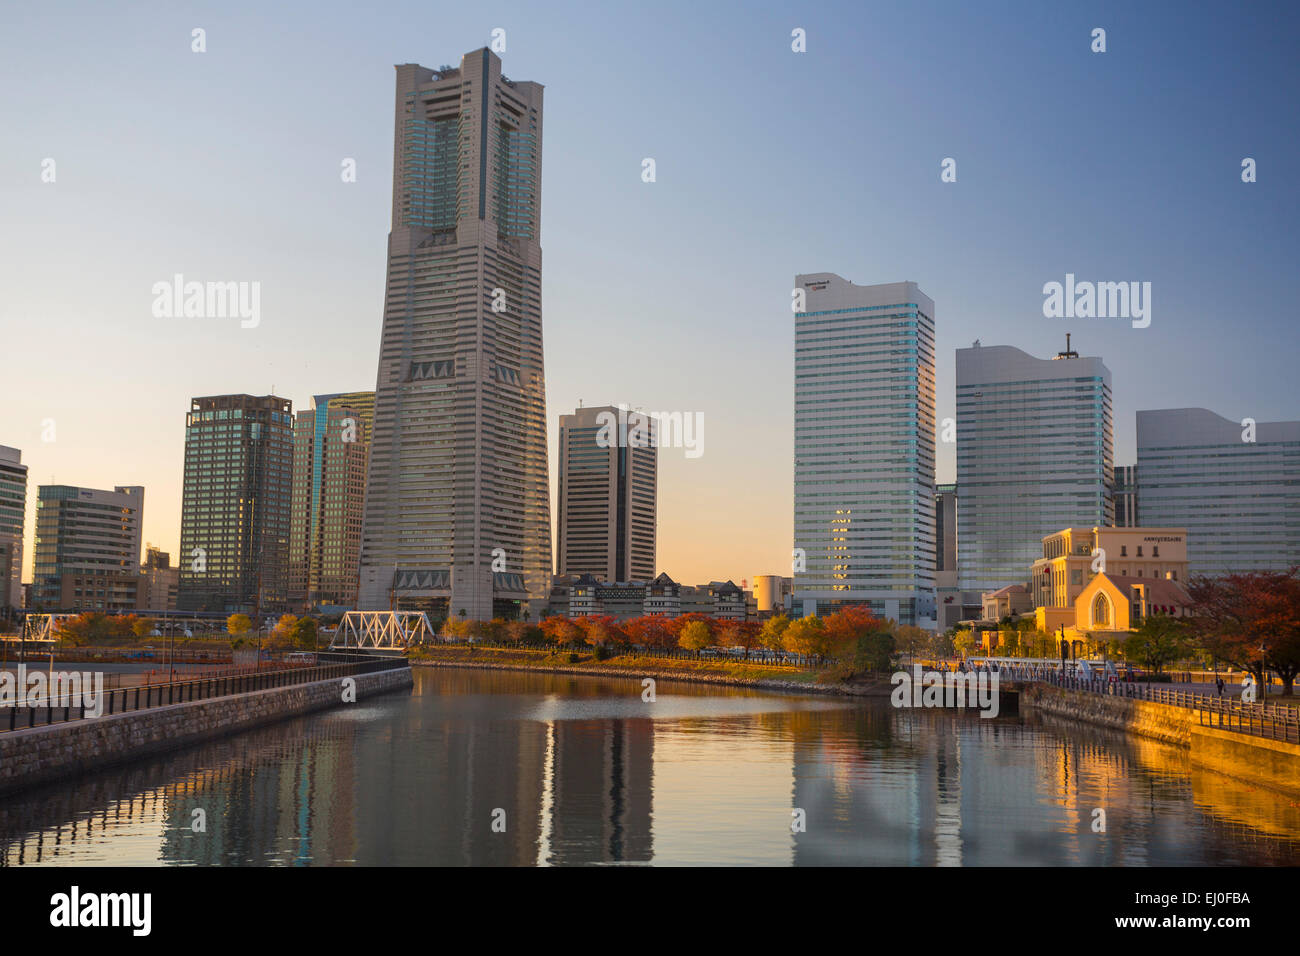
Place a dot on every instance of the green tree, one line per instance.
(305, 633)
(912, 639)
(1160, 640)
(940, 645)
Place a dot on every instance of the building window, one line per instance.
(1101, 611)
(1139, 550)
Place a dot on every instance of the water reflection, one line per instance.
(502, 768)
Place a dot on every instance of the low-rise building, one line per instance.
(585, 595)
(1010, 601)
(160, 582)
(1111, 606)
(1072, 556)
(772, 594)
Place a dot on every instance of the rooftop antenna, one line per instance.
(1069, 353)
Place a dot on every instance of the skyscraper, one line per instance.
(864, 449)
(331, 443)
(1034, 455)
(457, 515)
(86, 554)
(607, 487)
(1126, 496)
(1235, 487)
(13, 508)
(235, 504)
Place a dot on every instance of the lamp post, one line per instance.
(1064, 652)
(1263, 673)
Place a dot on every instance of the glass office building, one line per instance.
(235, 504)
(331, 443)
(457, 515)
(864, 449)
(1035, 454)
(1233, 486)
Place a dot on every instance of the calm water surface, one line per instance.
(582, 771)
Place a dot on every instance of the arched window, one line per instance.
(1101, 610)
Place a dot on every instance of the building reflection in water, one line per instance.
(582, 773)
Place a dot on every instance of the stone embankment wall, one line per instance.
(40, 755)
(864, 689)
(1172, 725)
(1271, 763)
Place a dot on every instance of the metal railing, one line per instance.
(128, 699)
(1274, 721)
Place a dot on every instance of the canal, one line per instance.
(513, 768)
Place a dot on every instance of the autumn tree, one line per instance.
(238, 627)
(772, 636)
(743, 634)
(95, 627)
(559, 630)
(284, 630)
(963, 641)
(650, 631)
(695, 636)
(807, 636)
(1251, 621)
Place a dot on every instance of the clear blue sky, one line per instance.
(672, 295)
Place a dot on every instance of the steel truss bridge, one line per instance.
(386, 630)
(43, 627)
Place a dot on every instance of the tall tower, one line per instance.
(606, 497)
(457, 515)
(864, 449)
(1034, 455)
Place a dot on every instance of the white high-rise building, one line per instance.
(1034, 455)
(864, 449)
(1234, 485)
(457, 513)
